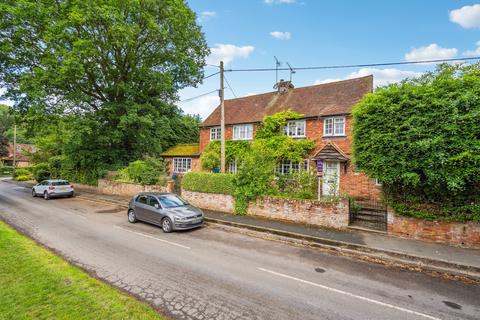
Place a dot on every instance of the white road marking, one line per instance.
(350, 294)
(150, 237)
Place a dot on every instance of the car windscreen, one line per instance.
(60, 183)
(171, 201)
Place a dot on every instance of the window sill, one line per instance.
(334, 137)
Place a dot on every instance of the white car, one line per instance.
(53, 188)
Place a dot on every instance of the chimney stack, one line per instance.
(283, 86)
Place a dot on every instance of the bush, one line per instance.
(6, 170)
(21, 172)
(146, 172)
(41, 171)
(208, 182)
(24, 178)
(420, 138)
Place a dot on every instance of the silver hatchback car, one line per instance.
(53, 188)
(164, 209)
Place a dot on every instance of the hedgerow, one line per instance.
(421, 138)
(208, 182)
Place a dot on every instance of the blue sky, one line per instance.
(249, 33)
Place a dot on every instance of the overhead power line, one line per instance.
(211, 75)
(230, 86)
(354, 65)
(199, 96)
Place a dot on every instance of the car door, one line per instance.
(40, 188)
(141, 207)
(153, 210)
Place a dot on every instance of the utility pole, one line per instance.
(222, 120)
(14, 146)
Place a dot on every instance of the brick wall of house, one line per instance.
(453, 233)
(353, 183)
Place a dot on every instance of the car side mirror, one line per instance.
(157, 206)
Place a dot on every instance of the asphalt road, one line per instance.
(210, 273)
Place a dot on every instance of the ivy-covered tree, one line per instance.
(6, 121)
(116, 65)
(421, 138)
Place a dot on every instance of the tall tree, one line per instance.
(6, 121)
(116, 64)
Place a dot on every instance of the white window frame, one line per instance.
(215, 133)
(232, 167)
(287, 166)
(332, 133)
(243, 132)
(296, 126)
(378, 182)
(182, 165)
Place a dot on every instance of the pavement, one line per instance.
(214, 273)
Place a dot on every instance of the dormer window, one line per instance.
(295, 129)
(334, 127)
(215, 133)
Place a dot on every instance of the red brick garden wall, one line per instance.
(453, 233)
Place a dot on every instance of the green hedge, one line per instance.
(208, 182)
(6, 170)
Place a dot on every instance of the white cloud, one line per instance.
(227, 53)
(205, 15)
(467, 16)
(282, 35)
(381, 77)
(202, 106)
(431, 52)
(270, 2)
(473, 53)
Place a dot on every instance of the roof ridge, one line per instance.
(304, 87)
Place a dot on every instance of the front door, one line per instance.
(331, 178)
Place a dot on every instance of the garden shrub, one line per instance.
(145, 172)
(21, 174)
(41, 171)
(421, 139)
(208, 182)
(6, 170)
(24, 177)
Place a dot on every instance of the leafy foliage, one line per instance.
(41, 171)
(208, 182)
(6, 121)
(96, 81)
(258, 159)
(146, 172)
(234, 151)
(421, 138)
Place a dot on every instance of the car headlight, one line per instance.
(177, 218)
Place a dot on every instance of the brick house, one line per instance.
(21, 158)
(327, 120)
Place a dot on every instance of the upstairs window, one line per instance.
(215, 133)
(243, 132)
(295, 129)
(334, 126)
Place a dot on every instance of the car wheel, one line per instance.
(70, 195)
(46, 196)
(167, 225)
(132, 218)
(34, 194)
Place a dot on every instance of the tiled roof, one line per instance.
(22, 149)
(312, 101)
(182, 150)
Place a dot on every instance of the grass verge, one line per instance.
(37, 284)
